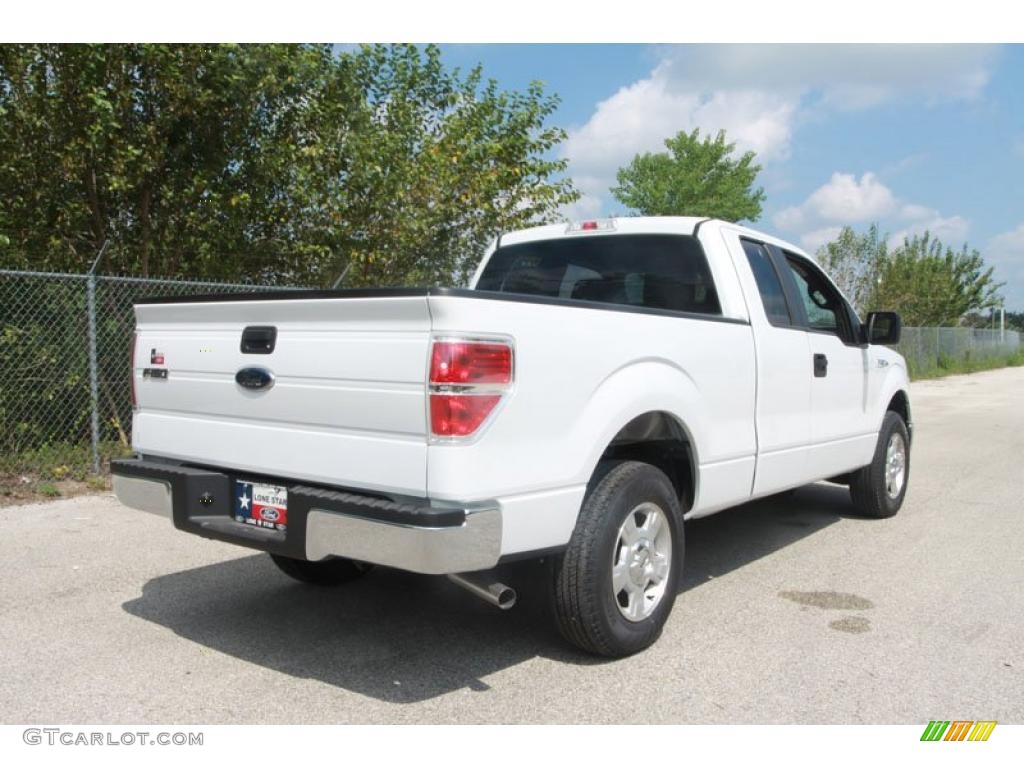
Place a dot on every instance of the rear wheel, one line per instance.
(615, 585)
(325, 573)
(879, 488)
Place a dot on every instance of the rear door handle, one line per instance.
(820, 365)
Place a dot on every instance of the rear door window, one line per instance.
(656, 271)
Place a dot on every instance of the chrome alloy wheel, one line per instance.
(895, 465)
(642, 561)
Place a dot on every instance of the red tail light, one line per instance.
(470, 362)
(459, 415)
(467, 381)
(131, 370)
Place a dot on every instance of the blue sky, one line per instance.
(911, 137)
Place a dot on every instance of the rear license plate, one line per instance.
(262, 505)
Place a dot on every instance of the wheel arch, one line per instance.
(649, 410)
(900, 403)
(663, 440)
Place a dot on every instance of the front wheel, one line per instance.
(324, 573)
(879, 488)
(615, 584)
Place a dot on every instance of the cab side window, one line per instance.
(823, 304)
(768, 283)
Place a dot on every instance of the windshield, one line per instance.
(657, 271)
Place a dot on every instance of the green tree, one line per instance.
(1015, 321)
(931, 284)
(926, 282)
(439, 163)
(188, 159)
(854, 261)
(694, 178)
(269, 163)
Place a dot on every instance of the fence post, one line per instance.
(94, 390)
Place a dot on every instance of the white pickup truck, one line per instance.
(597, 385)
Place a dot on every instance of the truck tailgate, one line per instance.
(346, 406)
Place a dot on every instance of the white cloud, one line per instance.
(758, 94)
(1005, 252)
(813, 240)
(913, 211)
(639, 117)
(847, 200)
(951, 230)
(587, 207)
(843, 200)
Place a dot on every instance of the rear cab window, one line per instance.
(668, 272)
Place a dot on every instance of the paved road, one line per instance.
(794, 611)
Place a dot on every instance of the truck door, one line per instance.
(841, 437)
(783, 374)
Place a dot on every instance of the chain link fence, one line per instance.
(927, 349)
(65, 385)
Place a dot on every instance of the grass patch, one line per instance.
(49, 490)
(948, 366)
(98, 482)
(55, 470)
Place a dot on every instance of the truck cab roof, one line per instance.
(638, 225)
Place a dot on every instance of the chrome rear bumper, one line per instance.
(152, 496)
(322, 523)
(472, 546)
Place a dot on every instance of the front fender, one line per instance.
(894, 381)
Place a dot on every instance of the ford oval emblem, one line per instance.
(269, 514)
(255, 378)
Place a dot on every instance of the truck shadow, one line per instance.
(721, 543)
(404, 638)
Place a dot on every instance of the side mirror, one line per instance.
(883, 328)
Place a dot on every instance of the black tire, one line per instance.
(586, 609)
(868, 485)
(324, 573)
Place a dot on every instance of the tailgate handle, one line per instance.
(259, 340)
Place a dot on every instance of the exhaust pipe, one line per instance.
(497, 594)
